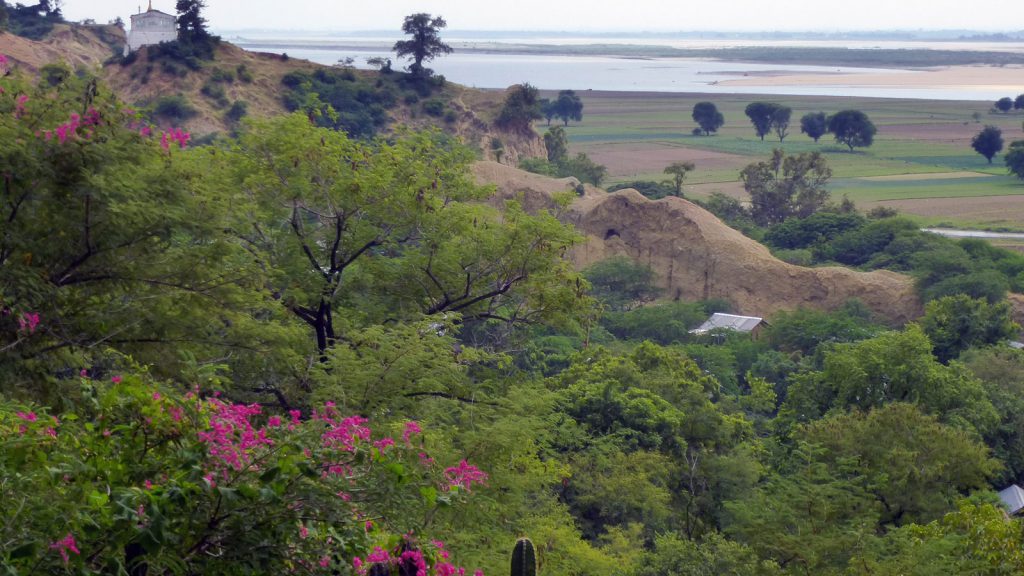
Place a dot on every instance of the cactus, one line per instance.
(524, 561)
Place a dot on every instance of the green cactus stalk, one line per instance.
(524, 560)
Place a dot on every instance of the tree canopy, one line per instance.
(768, 117)
(814, 124)
(1014, 158)
(988, 142)
(853, 128)
(707, 116)
(786, 186)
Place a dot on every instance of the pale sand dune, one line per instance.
(996, 77)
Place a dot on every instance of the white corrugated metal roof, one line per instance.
(1013, 498)
(728, 321)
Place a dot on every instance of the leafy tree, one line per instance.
(707, 116)
(853, 128)
(394, 232)
(1004, 104)
(557, 143)
(1014, 158)
(810, 520)
(780, 121)
(988, 142)
(767, 117)
(1001, 370)
(760, 114)
(814, 124)
(714, 554)
(678, 170)
(622, 283)
(568, 106)
(191, 24)
(891, 367)
(652, 190)
(786, 186)
(955, 323)
(1018, 102)
(521, 108)
(816, 229)
(425, 44)
(913, 465)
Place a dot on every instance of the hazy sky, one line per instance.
(590, 15)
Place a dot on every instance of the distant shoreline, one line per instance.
(911, 58)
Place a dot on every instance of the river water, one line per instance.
(555, 72)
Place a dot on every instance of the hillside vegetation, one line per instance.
(294, 350)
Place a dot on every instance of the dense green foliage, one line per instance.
(522, 106)
(342, 100)
(786, 186)
(988, 142)
(218, 359)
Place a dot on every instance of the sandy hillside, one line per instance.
(697, 256)
(76, 45)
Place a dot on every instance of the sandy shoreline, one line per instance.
(1010, 78)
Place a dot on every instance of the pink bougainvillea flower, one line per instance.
(411, 427)
(379, 556)
(27, 322)
(116, 379)
(324, 561)
(65, 545)
(383, 443)
(464, 475)
(27, 416)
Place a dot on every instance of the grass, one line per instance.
(637, 134)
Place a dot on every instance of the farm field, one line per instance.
(921, 162)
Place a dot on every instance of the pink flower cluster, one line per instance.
(70, 128)
(342, 434)
(28, 321)
(176, 135)
(4, 66)
(65, 545)
(232, 439)
(411, 427)
(19, 105)
(464, 475)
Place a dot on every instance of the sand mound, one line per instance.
(78, 46)
(696, 256)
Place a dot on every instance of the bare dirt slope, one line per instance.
(696, 256)
(76, 45)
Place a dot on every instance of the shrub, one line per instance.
(174, 109)
(434, 108)
(237, 111)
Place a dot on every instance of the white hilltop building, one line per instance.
(150, 27)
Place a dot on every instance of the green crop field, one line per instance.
(922, 150)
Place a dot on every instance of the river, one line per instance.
(554, 72)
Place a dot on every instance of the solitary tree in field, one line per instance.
(853, 128)
(568, 107)
(814, 124)
(1018, 104)
(707, 116)
(1015, 159)
(988, 142)
(1004, 104)
(425, 44)
(678, 170)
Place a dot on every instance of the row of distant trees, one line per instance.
(1005, 104)
(850, 127)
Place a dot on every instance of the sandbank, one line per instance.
(1010, 78)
